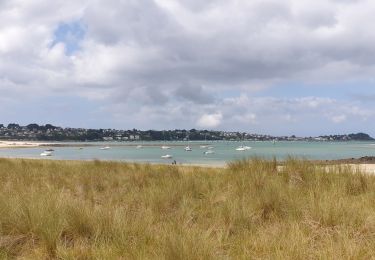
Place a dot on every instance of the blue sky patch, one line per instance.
(71, 34)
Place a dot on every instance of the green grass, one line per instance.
(250, 210)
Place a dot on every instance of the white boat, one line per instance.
(167, 156)
(188, 148)
(46, 153)
(105, 148)
(165, 147)
(139, 147)
(205, 140)
(209, 152)
(210, 147)
(243, 148)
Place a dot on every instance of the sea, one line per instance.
(222, 151)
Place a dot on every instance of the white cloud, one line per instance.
(163, 62)
(339, 119)
(247, 119)
(210, 120)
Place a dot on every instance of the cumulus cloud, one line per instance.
(339, 119)
(210, 120)
(170, 63)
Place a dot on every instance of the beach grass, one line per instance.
(251, 209)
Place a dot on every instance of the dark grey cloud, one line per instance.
(195, 94)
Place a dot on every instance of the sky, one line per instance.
(277, 67)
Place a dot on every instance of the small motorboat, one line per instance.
(165, 147)
(167, 156)
(209, 152)
(46, 153)
(203, 146)
(139, 147)
(188, 149)
(105, 148)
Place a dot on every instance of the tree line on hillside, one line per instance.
(50, 132)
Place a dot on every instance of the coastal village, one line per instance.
(48, 132)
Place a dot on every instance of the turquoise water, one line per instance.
(224, 151)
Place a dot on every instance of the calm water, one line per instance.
(224, 151)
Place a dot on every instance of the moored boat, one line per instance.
(243, 148)
(46, 153)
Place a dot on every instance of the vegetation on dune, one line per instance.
(250, 210)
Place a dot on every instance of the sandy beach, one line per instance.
(32, 144)
(21, 144)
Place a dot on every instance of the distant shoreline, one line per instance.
(48, 132)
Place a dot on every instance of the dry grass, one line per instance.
(107, 210)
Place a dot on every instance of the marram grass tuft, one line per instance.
(253, 209)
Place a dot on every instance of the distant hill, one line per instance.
(361, 137)
(349, 137)
(48, 132)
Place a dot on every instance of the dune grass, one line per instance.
(249, 210)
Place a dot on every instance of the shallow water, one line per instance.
(224, 151)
